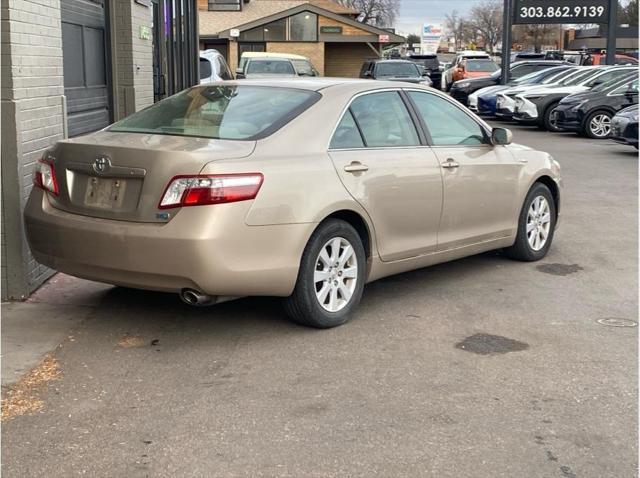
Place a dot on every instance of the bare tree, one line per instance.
(453, 24)
(487, 19)
(374, 12)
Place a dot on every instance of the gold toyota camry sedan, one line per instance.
(300, 188)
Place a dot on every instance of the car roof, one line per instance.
(314, 83)
(395, 60)
(264, 54)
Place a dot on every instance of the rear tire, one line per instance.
(536, 226)
(331, 277)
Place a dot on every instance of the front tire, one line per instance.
(536, 226)
(331, 277)
(598, 125)
(549, 120)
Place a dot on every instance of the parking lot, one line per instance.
(483, 367)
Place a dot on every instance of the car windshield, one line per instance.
(270, 67)
(220, 112)
(397, 69)
(578, 77)
(559, 76)
(481, 65)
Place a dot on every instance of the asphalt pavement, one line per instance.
(481, 367)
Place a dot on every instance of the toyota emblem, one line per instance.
(101, 164)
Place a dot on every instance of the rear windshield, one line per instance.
(481, 65)
(221, 112)
(432, 63)
(397, 70)
(270, 67)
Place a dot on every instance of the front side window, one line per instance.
(384, 120)
(447, 124)
(304, 68)
(303, 27)
(220, 112)
(606, 78)
(627, 89)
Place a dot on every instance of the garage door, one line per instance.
(85, 71)
(345, 59)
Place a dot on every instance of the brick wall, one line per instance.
(132, 58)
(313, 51)
(32, 120)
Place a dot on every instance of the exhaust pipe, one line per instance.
(197, 299)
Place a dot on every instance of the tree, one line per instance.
(487, 19)
(379, 13)
(628, 14)
(453, 24)
(413, 38)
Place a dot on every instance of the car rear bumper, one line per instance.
(206, 248)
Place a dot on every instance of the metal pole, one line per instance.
(611, 32)
(506, 42)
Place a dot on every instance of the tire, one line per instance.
(525, 247)
(547, 118)
(304, 306)
(588, 128)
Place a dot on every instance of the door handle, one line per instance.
(356, 167)
(450, 164)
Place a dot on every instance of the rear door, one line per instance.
(382, 161)
(480, 180)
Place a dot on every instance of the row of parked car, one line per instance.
(595, 101)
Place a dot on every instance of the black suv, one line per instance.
(429, 63)
(394, 70)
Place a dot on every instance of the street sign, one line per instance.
(560, 11)
(383, 38)
(234, 33)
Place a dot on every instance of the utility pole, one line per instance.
(506, 41)
(612, 31)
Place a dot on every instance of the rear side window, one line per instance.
(205, 69)
(347, 135)
(384, 120)
(221, 112)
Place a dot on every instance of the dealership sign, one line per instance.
(560, 11)
(431, 36)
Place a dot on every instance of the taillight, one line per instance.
(45, 176)
(210, 189)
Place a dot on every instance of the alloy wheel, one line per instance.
(538, 223)
(336, 274)
(600, 125)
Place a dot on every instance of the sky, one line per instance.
(414, 13)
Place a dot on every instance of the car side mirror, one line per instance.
(239, 75)
(501, 136)
(367, 74)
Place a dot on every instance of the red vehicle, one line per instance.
(474, 69)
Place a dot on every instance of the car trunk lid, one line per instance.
(122, 176)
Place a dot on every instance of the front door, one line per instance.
(377, 153)
(84, 56)
(480, 180)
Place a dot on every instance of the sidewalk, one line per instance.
(33, 328)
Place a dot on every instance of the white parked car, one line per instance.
(213, 67)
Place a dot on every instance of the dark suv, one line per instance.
(429, 63)
(394, 70)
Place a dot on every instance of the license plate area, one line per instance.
(105, 193)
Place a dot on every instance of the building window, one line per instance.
(225, 5)
(300, 27)
(303, 27)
